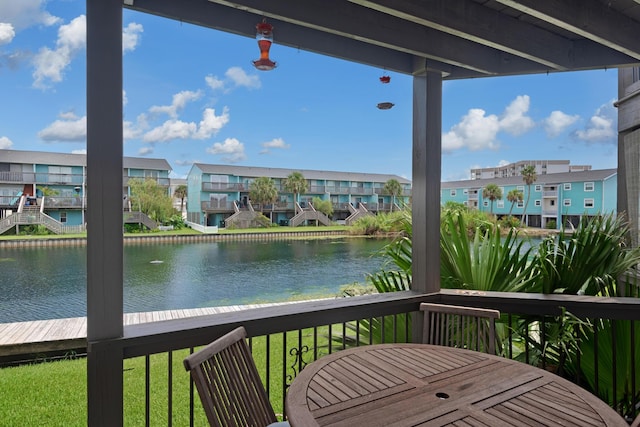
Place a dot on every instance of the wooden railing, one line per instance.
(285, 338)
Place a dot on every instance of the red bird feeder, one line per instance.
(385, 79)
(264, 35)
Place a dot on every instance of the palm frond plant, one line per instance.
(589, 261)
(485, 261)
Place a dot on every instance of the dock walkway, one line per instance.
(56, 335)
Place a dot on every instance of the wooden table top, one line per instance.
(417, 384)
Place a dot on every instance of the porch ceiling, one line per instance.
(459, 38)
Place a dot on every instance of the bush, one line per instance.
(551, 225)
(508, 222)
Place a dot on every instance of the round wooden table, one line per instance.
(417, 384)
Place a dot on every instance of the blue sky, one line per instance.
(192, 95)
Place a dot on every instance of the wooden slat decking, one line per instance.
(42, 336)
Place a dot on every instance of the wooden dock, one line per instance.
(59, 335)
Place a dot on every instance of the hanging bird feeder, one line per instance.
(264, 35)
(385, 105)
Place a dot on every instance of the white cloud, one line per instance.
(178, 103)
(231, 149)
(131, 36)
(170, 130)
(178, 129)
(557, 122)
(503, 162)
(478, 131)
(185, 162)
(234, 77)
(130, 130)
(80, 151)
(69, 129)
(210, 123)
(274, 143)
(7, 33)
(475, 131)
(238, 76)
(514, 119)
(26, 13)
(50, 64)
(145, 151)
(5, 143)
(214, 82)
(601, 127)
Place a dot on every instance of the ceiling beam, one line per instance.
(591, 19)
(360, 23)
(472, 21)
(235, 21)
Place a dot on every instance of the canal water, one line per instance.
(50, 283)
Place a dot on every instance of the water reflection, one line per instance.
(44, 283)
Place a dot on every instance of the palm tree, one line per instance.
(181, 192)
(529, 176)
(263, 190)
(514, 196)
(492, 192)
(296, 184)
(393, 188)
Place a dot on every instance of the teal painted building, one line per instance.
(560, 197)
(216, 192)
(55, 183)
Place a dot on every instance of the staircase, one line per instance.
(310, 214)
(362, 211)
(241, 218)
(139, 218)
(32, 216)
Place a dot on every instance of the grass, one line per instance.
(55, 393)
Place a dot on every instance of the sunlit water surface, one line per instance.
(49, 283)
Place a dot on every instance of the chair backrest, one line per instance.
(228, 383)
(458, 326)
(636, 422)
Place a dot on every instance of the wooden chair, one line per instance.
(228, 383)
(457, 326)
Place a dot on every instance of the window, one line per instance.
(538, 188)
(452, 193)
(552, 202)
(60, 174)
(63, 217)
(500, 203)
(567, 186)
(537, 203)
(520, 188)
(520, 204)
(485, 204)
(465, 191)
(588, 203)
(588, 186)
(566, 202)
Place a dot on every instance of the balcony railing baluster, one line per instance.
(526, 337)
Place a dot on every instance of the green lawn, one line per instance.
(54, 393)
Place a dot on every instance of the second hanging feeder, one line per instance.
(385, 105)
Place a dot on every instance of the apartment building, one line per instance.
(542, 167)
(52, 186)
(561, 197)
(219, 195)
